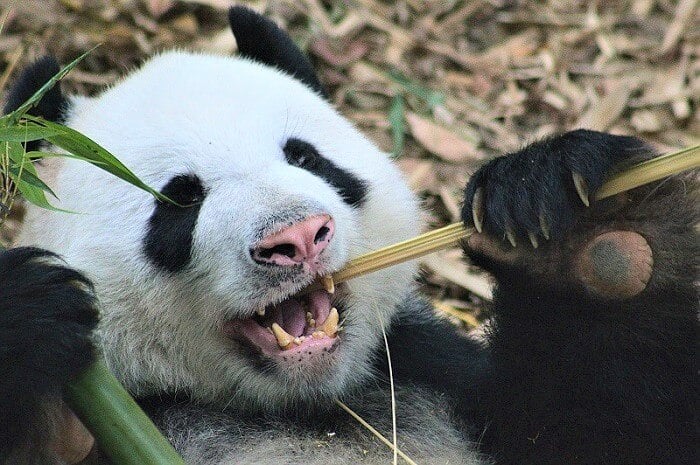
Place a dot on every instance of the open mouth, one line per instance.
(306, 323)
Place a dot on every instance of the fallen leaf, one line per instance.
(441, 141)
(158, 8)
(450, 266)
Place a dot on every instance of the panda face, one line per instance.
(266, 168)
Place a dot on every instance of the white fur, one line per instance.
(225, 120)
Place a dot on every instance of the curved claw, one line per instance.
(533, 239)
(581, 187)
(511, 237)
(544, 226)
(478, 209)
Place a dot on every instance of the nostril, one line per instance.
(287, 250)
(300, 242)
(321, 234)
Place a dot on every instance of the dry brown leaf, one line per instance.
(218, 4)
(461, 315)
(158, 8)
(451, 202)
(420, 174)
(450, 266)
(441, 141)
(606, 110)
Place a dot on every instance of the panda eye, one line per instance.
(301, 154)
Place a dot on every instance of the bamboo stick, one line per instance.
(123, 431)
(448, 236)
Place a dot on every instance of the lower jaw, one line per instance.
(308, 352)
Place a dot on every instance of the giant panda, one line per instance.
(590, 355)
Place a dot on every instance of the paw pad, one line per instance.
(615, 264)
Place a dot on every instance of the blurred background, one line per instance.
(442, 85)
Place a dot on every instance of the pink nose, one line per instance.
(299, 243)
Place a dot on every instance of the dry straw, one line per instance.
(638, 175)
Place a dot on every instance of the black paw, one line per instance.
(47, 314)
(536, 193)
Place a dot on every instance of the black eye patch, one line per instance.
(168, 241)
(304, 155)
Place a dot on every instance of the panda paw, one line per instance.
(535, 194)
(47, 314)
(532, 209)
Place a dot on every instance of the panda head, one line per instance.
(279, 190)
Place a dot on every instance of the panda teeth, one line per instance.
(330, 326)
(284, 339)
(310, 320)
(260, 311)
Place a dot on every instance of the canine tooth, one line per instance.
(284, 339)
(330, 326)
(478, 209)
(260, 311)
(328, 283)
(581, 187)
(318, 335)
(310, 320)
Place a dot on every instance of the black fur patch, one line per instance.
(304, 155)
(51, 106)
(47, 312)
(168, 242)
(260, 39)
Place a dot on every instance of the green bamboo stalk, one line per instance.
(122, 430)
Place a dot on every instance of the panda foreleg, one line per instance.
(594, 334)
(429, 351)
(47, 313)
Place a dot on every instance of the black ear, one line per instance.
(52, 104)
(260, 39)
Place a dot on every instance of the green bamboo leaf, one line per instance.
(431, 97)
(27, 174)
(36, 155)
(398, 124)
(13, 117)
(15, 152)
(82, 146)
(35, 195)
(24, 133)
